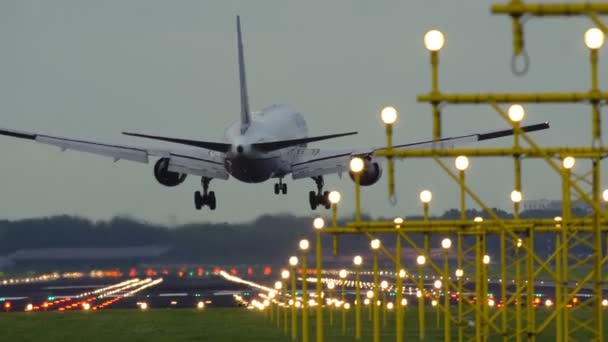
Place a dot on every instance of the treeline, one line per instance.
(266, 239)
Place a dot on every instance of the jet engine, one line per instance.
(166, 177)
(372, 171)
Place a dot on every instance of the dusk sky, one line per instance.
(92, 69)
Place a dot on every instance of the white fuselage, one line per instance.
(273, 123)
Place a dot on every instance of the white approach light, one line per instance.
(370, 294)
(342, 274)
(461, 163)
(384, 284)
(293, 261)
(605, 195)
(459, 272)
(478, 219)
(304, 244)
(375, 244)
(200, 305)
(446, 243)
(318, 223)
(516, 196)
(388, 115)
(331, 285)
(434, 40)
(334, 197)
(437, 284)
(285, 274)
(568, 162)
(278, 285)
(426, 196)
(403, 302)
(357, 260)
(516, 112)
(356, 165)
(398, 221)
(486, 259)
(421, 260)
(594, 38)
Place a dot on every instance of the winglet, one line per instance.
(245, 114)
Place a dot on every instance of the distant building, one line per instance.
(549, 204)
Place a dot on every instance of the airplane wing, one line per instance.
(197, 162)
(315, 162)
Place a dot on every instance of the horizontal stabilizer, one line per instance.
(277, 145)
(214, 146)
(508, 132)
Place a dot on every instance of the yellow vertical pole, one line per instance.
(597, 253)
(447, 321)
(357, 302)
(503, 285)
(294, 323)
(597, 230)
(330, 307)
(389, 163)
(319, 258)
(384, 308)
(479, 295)
(343, 308)
(374, 301)
(459, 259)
(559, 301)
(459, 256)
(357, 196)
(304, 298)
(531, 332)
(285, 304)
(435, 90)
(398, 289)
(517, 176)
(334, 224)
(421, 300)
(566, 216)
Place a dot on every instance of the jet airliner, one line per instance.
(261, 145)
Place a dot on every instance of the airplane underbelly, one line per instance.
(252, 170)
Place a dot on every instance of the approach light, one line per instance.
(285, 274)
(389, 115)
(516, 196)
(334, 197)
(568, 162)
(304, 244)
(356, 165)
(375, 244)
(461, 163)
(293, 261)
(434, 40)
(357, 260)
(421, 260)
(437, 284)
(318, 223)
(342, 274)
(594, 38)
(426, 196)
(446, 243)
(516, 112)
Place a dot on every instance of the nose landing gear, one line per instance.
(280, 187)
(207, 198)
(320, 197)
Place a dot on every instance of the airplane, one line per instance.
(268, 144)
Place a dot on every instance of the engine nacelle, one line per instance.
(166, 177)
(372, 171)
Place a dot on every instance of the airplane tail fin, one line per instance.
(245, 114)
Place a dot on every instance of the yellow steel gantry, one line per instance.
(515, 313)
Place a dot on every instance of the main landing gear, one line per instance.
(206, 199)
(320, 197)
(280, 187)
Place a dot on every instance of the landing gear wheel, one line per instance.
(325, 200)
(313, 199)
(198, 200)
(276, 188)
(211, 200)
(284, 188)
